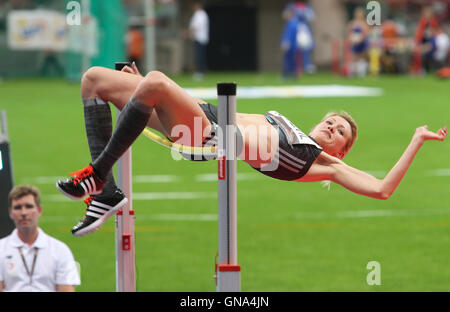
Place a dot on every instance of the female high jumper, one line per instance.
(270, 143)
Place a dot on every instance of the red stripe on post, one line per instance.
(222, 164)
(229, 268)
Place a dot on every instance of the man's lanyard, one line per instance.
(30, 273)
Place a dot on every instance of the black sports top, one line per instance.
(296, 153)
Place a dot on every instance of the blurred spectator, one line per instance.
(375, 49)
(136, 49)
(357, 35)
(442, 42)
(390, 39)
(289, 42)
(51, 61)
(423, 38)
(199, 33)
(31, 260)
(428, 48)
(305, 38)
(389, 33)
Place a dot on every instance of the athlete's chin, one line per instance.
(323, 141)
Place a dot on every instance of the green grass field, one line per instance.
(292, 236)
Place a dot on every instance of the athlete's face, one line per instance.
(333, 134)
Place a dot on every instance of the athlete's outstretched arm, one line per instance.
(363, 183)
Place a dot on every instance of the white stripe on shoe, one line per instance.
(96, 209)
(84, 187)
(93, 214)
(93, 185)
(101, 218)
(101, 205)
(87, 186)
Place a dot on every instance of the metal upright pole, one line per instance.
(228, 272)
(6, 177)
(85, 15)
(125, 239)
(150, 39)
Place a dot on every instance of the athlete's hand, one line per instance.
(131, 70)
(424, 134)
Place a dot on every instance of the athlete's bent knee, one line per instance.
(90, 81)
(155, 85)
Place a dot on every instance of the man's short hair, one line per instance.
(20, 191)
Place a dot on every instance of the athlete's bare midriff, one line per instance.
(260, 139)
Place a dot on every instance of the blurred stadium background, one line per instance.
(292, 237)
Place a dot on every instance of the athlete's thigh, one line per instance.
(179, 112)
(117, 87)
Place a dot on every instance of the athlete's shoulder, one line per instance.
(321, 169)
(326, 159)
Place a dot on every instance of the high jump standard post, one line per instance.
(125, 239)
(228, 272)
